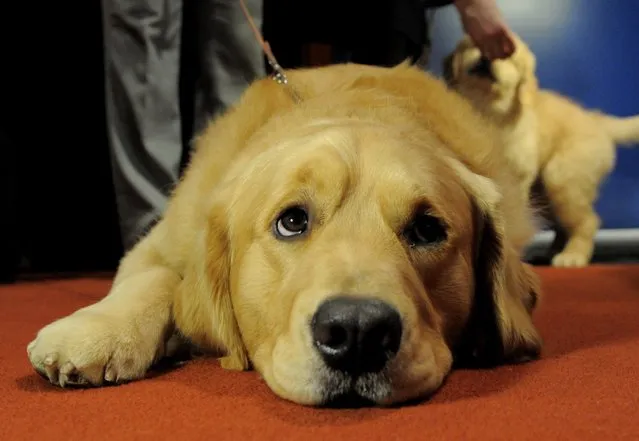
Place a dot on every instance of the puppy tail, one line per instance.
(624, 131)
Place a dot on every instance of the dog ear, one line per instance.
(226, 330)
(528, 85)
(448, 72)
(500, 328)
(531, 65)
(203, 309)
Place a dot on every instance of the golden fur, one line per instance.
(366, 149)
(547, 138)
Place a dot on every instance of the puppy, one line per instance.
(349, 248)
(547, 138)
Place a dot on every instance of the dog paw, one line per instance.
(569, 260)
(90, 349)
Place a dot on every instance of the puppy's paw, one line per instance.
(90, 348)
(567, 259)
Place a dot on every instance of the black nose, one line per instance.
(482, 69)
(355, 334)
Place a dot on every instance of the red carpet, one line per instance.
(586, 386)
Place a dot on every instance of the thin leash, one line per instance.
(279, 76)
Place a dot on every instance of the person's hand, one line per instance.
(485, 25)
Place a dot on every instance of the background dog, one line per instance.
(349, 247)
(547, 138)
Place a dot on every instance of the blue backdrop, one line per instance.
(587, 50)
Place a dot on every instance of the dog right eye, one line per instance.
(291, 222)
(424, 229)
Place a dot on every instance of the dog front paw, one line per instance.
(567, 259)
(90, 348)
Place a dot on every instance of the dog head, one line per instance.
(351, 260)
(496, 85)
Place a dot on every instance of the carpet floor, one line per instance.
(585, 387)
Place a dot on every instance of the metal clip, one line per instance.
(279, 76)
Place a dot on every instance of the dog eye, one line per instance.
(292, 222)
(424, 230)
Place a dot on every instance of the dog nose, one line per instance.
(482, 69)
(356, 335)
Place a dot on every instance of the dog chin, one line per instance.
(342, 390)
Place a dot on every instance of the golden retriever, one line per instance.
(349, 248)
(548, 138)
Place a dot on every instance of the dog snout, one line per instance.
(356, 335)
(482, 69)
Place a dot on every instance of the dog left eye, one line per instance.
(292, 222)
(424, 230)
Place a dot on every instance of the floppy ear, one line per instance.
(528, 85)
(531, 65)
(500, 328)
(203, 309)
(448, 71)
